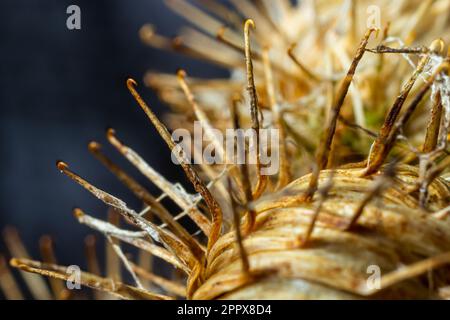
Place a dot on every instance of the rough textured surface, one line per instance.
(392, 232)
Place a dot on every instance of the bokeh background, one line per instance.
(60, 89)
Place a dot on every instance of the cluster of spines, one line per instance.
(184, 251)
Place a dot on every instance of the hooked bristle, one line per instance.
(363, 132)
(61, 165)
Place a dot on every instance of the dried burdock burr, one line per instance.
(363, 173)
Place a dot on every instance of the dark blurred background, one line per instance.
(59, 89)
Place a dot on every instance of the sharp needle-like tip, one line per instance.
(61, 165)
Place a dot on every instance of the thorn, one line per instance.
(323, 193)
(389, 132)
(245, 177)
(168, 188)
(328, 135)
(407, 272)
(48, 256)
(167, 285)
(36, 285)
(284, 175)
(254, 110)
(118, 289)
(381, 183)
(140, 192)
(237, 226)
(198, 185)
(302, 67)
(200, 114)
(433, 127)
(8, 284)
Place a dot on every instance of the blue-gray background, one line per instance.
(58, 90)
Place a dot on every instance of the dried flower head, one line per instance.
(363, 149)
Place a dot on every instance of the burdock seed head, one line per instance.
(359, 207)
